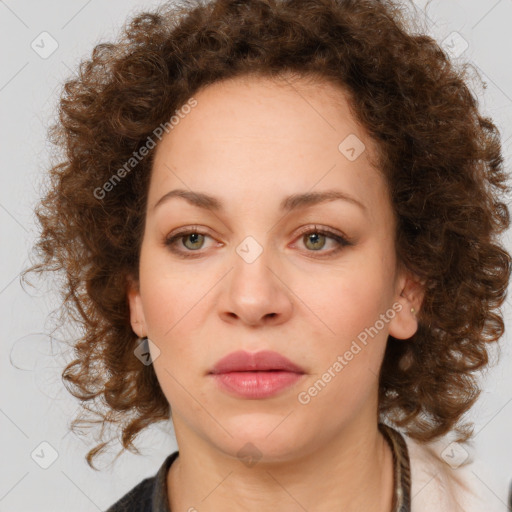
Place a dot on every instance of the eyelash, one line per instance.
(341, 241)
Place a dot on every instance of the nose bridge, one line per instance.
(252, 262)
(255, 292)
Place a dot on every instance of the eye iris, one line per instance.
(314, 237)
(193, 237)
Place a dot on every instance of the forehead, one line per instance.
(251, 132)
(257, 107)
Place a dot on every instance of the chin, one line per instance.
(262, 438)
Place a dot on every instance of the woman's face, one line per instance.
(270, 269)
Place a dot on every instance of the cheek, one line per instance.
(345, 301)
(347, 360)
(349, 333)
(177, 303)
(170, 297)
(172, 308)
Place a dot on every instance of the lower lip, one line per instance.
(256, 384)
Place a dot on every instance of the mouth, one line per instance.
(263, 361)
(255, 375)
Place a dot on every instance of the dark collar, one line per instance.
(402, 468)
(160, 497)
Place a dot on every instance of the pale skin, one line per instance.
(252, 143)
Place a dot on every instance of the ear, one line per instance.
(137, 318)
(410, 291)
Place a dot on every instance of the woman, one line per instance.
(279, 225)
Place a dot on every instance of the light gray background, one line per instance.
(34, 406)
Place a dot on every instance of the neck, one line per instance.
(353, 472)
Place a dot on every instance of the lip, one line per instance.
(242, 361)
(255, 375)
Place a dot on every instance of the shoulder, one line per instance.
(446, 479)
(150, 495)
(137, 499)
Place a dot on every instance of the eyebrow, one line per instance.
(288, 204)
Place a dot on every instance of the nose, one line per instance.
(256, 292)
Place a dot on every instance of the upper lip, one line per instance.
(242, 361)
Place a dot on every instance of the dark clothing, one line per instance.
(150, 495)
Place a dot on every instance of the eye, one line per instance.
(191, 240)
(196, 240)
(315, 239)
(186, 241)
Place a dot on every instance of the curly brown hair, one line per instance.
(441, 158)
